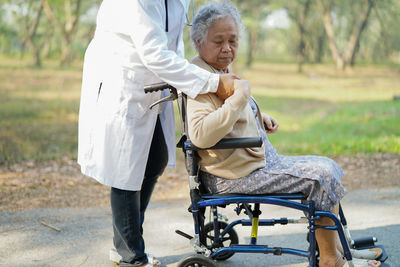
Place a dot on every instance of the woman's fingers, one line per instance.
(271, 125)
(275, 124)
(268, 123)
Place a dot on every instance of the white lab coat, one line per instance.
(131, 49)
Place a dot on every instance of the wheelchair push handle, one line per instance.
(159, 87)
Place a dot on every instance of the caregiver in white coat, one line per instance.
(122, 143)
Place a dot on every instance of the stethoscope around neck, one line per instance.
(187, 18)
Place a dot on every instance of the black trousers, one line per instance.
(128, 207)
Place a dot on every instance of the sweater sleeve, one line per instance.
(207, 124)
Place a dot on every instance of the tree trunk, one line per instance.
(252, 41)
(388, 48)
(342, 59)
(30, 36)
(302, 43)
(67, 30)
(37, 62)
(328, 24)
(66, 55)
(320, 48)
(47, 43)
(354, 47)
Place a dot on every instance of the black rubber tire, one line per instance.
(196, 260)
(232, 236)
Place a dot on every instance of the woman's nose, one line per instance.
(226, 47)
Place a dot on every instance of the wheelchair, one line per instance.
(217, 240)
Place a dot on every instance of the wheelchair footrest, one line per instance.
(367, 243)
(384, 255)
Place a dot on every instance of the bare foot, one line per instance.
(332, 261)
(359, 263)
(368, 254)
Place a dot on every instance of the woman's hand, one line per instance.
(225, 86)
(270, 124)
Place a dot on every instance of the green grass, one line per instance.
(325, 112)
(38, 112)
(320, 111)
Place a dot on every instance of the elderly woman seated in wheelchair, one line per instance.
(261, 170)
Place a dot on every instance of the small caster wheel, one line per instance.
(230, 238)
(196, 260)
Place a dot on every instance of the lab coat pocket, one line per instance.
(108, 98)
(136, 102)
(99, 91)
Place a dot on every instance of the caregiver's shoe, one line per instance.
(115, 257)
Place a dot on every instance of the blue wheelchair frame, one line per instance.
(201, 200)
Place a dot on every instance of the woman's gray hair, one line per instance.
(208, 14)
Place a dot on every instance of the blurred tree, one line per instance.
(315, 37)
(65, 16)
(190, 50)
(8, 34)
(298, 12)
(382, 42)
(358, 19)
(364, 30)
(49, 34)
(31, 31)
(253, 13)
(24, 20)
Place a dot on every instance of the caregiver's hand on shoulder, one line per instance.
(225, 86)
(270, 124)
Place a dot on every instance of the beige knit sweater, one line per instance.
(210, 119)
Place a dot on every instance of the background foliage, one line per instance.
(275, 29)
(327, 70)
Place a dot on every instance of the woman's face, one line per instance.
(221, 44)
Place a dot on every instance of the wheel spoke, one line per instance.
(225, 239)
(229, 238)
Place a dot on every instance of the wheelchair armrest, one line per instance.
(227, 143)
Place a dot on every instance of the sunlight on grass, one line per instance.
(321, 111)
(360, 84)
(38, 112)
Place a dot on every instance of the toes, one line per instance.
(377, 251)
(373, 263)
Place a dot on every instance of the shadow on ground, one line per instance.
(85, 235)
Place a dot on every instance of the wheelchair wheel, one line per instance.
(230, 238)
(196, 260)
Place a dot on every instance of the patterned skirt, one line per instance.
(319, 178)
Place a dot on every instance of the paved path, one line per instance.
(86, 233)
